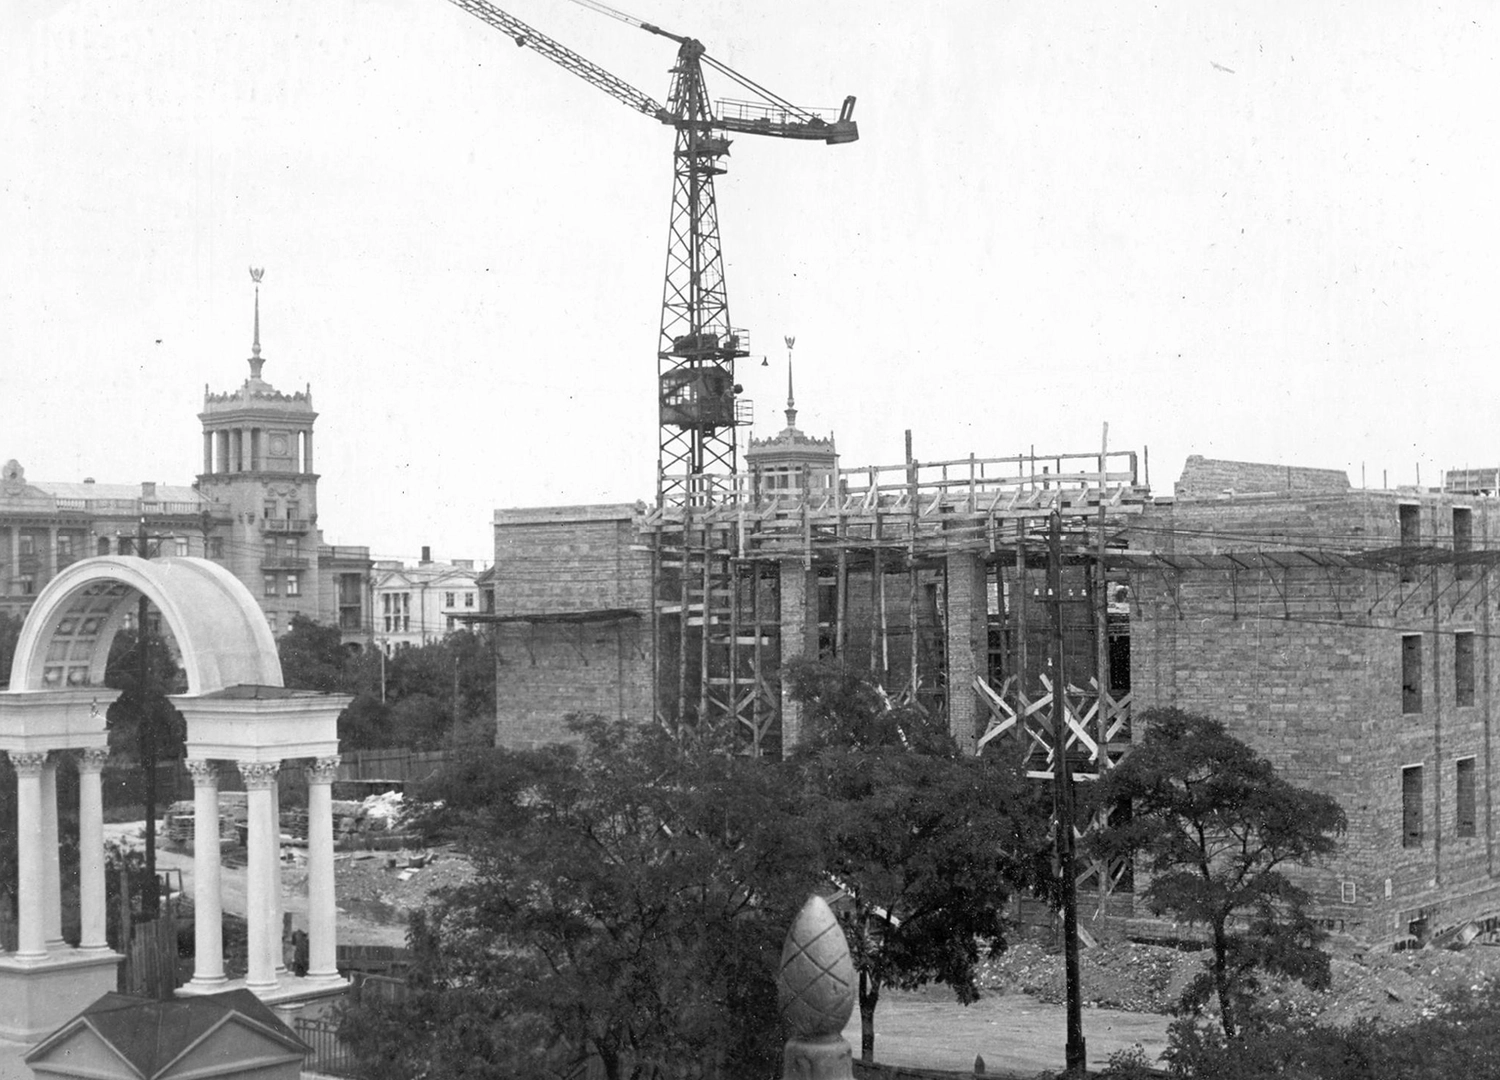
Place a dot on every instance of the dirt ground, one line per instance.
(1391, 987)
(375, 889)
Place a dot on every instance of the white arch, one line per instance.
(218, 625)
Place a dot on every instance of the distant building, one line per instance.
(417, 605)
(254, 508)
(789, 460)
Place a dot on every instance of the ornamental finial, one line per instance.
(256, 273)
(791, 402)
(816, 988)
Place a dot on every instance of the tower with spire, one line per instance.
(790, 460)
(258, 467)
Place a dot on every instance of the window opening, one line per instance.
(1411, 673)
(1463, 668)
(1411, 806)
(1465, 825)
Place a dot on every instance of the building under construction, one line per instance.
(1345, 633)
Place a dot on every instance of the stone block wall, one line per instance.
(1306, 665)
(578, 562)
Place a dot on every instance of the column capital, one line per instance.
(259, 775)
(92, 759)
(203, 772)
(28, 762)
(323, 770)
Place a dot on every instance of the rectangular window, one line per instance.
(27, 544)
(270, 584)
(1465, 797)
(468, 599)
(1463, 668)
(125, 545)
(406, 601)
(294, 584)
(1411, 806)
(1411, 673)
(269, 509)
(181, 543)
(450, 599)
(64, 546)
(1463, 542)
(26, 584)
(270, 547)
(387, 624)
(405, 624)
(271, 621)
(215, 547)
(1411, 536)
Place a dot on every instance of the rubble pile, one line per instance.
(377, 820)
(385, 885)
(1392, 987)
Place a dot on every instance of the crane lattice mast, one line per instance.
(698, 347)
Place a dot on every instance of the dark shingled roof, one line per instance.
(150, 1035)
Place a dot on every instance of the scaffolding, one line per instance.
(745, 578)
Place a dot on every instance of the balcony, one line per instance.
(284, 525)
(283, 562)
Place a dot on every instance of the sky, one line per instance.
(1262, 231)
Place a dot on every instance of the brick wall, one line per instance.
(1208, 477)
(577, 560)
(1305, 664)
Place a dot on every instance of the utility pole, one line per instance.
(1062, 794)
(148, 732)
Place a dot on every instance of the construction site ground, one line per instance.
(374, 889)
(1019, 1024)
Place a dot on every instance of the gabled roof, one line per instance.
(150, 1035)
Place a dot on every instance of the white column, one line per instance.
(91, 902)
(208, 903)
(261, 875)
(51, 865)
(322, 909)
(279, 922)
(30, 861)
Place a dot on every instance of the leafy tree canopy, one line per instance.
(926, 845)
(630, 901)
(1216, 826)
(10, 632)
(420, 697)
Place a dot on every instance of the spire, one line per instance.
(255, 358)
(791, 401)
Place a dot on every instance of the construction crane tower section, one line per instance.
(696, 387)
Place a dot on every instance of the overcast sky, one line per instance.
(1258, 231)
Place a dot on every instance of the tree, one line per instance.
(630, 900)
(927, 844)
(1216, 827)
(419, 697)
(10, 633)
(313, 656)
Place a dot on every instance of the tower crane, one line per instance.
(698, 346)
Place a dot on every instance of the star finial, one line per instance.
(791, 404)
(256, 273)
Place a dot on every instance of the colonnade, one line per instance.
(263, 906)
(39, 881)
(244, 449)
